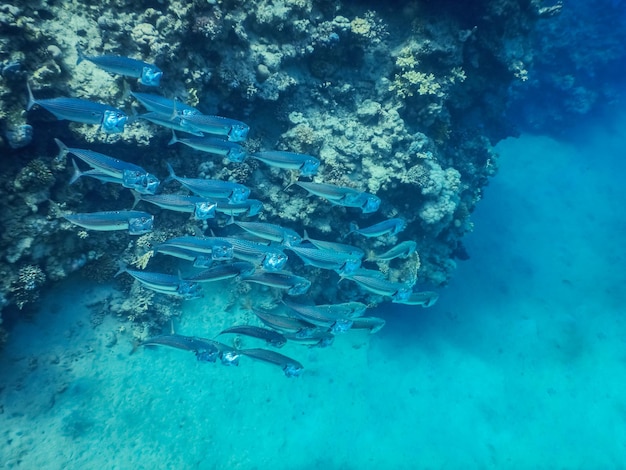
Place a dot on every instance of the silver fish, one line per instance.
(281, 322)
(326, 259)
(401, 250)
(164, 283)
(233, 130)
(249, 207)
(294, 285)
(111, 120)
(270, 258)
(148, 74)
(128, 174)
(330, 192)
(136, 222)
(199, 260)
(334, 246)
(271, 232)
(203, 349)
(373, 324)
(396, 290)
(217, 189)
(231, 150)
(200, 208)
(317, 337)
(307, 165)
(217, 248)
(343, 196)
(272, 337)
(424, 299)
(347, 309)
(165, 107)
(174, 124)
(223, 271)
(321, 316)
(290, 367)
(387, 227)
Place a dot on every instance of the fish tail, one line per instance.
(136, 344)
(123, 267)
(231, 221)
(63, 151)
(353, 228)
(172, 175)
(31, 98)
(81, 56)
(77, 173)
(286, 187)
(174, 139)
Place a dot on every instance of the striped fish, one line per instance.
(270, 258)
(168, 122)
(396, 290)
(233, 130)
(341, 262)
(223, 271)
(136, 222)
(424, 299)
(321, 316)
(290, 367)
(307, 165)
(217, 248)
(148, 74)
(203, 349)
(401, 250)
(111, 120)
(373, 324)
(224, 148)
(387, 227)
(200, 208)
(164, 106)
(164, 283)
(128, 174)
(217, 189)
(273, 338)
(294, 285)
(271, 232)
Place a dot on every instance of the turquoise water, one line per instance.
(521, 363)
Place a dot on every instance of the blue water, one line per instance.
(521, 363)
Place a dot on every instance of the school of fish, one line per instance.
(259, 254)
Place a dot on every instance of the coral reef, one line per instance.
(405, 105)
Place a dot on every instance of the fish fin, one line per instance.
(63, 151)
(137, 198)
(353, 228)
(174, 139)
(305, 235)
(172, 327)
(289, 185)
(31, 98)
(77, 173)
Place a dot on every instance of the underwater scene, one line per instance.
(300, 234)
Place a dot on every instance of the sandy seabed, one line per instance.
(521, 363)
